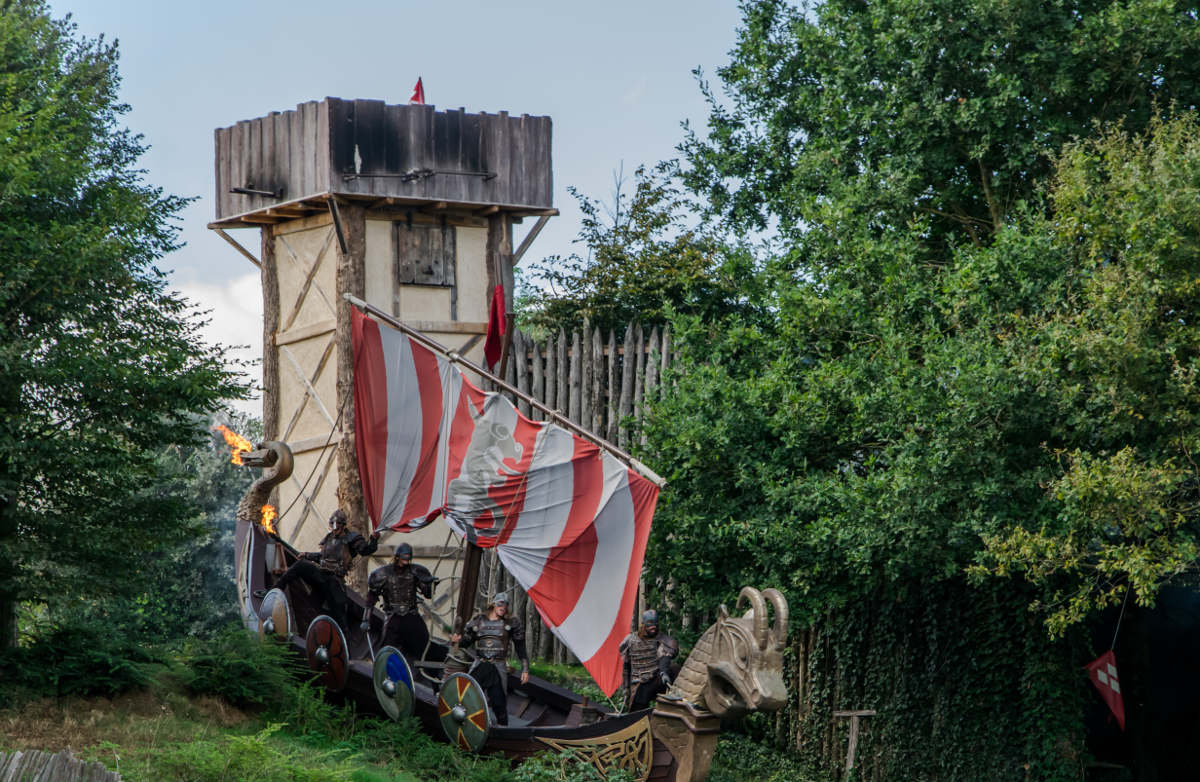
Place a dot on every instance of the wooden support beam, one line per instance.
(305, 332)
(529, 237)
(438, 206)
(448, 326)
(337, 223)
(487, 210)
(313, 443)
(238, 247)
(288, 211)
(852, 749)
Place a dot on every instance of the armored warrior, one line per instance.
(325, 570)
(491, 632)
(400, 584)
(648, 656)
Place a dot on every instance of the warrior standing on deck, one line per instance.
(399, 584)
(647, 662)
(490, 632)
(325, 570)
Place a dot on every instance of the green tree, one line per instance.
(643, 261)
(1117, 358)
(1024, 412)
(943, 108)
(101, 367)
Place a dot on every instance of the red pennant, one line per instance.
(1103, 673)
(494, 344)
(418, 95)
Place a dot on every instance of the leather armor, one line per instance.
(398, 586)
(491, 636)
(647, 657)
(337, 552)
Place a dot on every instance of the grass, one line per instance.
(162, 734)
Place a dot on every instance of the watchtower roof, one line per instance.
(290, 163)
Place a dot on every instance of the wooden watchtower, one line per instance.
(404, 206)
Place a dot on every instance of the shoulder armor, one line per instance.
(378, 578)
(422, 573)
(669, 646)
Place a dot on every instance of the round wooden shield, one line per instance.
(325, 648)
(393, 683)
(275, 615)
(464, 712)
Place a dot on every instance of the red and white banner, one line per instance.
(568, 520)
(1103, 673)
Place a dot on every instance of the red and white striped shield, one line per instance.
(568, 520)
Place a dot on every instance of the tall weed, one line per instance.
(247, 758)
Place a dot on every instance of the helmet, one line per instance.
(338, 518)
(500, 597)
(404, 551)
(650, 617)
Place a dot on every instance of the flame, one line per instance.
(239, 444)
(268, 515)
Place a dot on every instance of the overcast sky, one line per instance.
(615, 77)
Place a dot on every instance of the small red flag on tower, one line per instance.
(418, 95)
(1103, 673)
(493, 345)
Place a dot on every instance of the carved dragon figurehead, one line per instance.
(737, 665)
(276, 457)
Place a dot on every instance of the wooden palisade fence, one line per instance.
(602, 381)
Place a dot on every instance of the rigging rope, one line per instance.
(336, 428)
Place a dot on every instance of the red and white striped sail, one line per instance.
(568, 520)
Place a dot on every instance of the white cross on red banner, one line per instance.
(1103, 673)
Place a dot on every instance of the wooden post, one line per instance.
(521, 345)
(538, 386)
(551, 377)
(613, 393)
(585, 378)
(598, 385)
(468, 587)
(574, 379)
(351, 278)
(627, 368)
(639, 378)
(852, 749)
(562, 404)
(269, 275)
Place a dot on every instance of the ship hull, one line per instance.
(541, 716)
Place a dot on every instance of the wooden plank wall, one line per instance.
(601, 380)
(58, 766)
(333, 144)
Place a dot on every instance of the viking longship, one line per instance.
(467, 454)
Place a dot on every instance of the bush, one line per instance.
(566, 766)
(741, 759)
(237, 666)
(82, 655)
